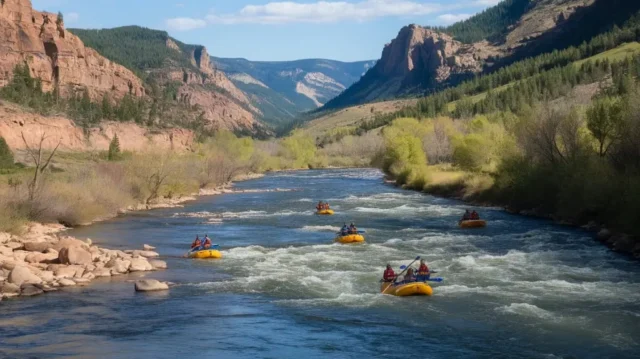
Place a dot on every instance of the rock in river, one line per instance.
(150, 285)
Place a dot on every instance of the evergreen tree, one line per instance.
(6, 156)
(114, 149)
(60, 19)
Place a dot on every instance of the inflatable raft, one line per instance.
(406, 289)
(350, 238)
(473, 223)
(325, 212)
(205, 254)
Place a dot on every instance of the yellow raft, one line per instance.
(473, 223)
(350, 238)
(325, 212)
(206, 253)
(408, 289)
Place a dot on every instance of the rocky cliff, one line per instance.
(14, 122)
(169, 63)
(56, 56)
(416, 60)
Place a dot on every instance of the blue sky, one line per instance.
(347, 30)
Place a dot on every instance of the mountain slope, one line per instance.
(282, 90)
(424, 60)
(183, 71)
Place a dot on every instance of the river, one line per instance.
(522, 287)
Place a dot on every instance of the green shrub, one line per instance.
(6, 156)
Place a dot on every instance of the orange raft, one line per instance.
(406, 289)
(473, 223)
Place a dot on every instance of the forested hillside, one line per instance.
(138, 48)
(509, 32)
(490, 23)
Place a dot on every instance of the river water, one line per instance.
(522, 287)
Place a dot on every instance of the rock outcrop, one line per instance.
(56, 56)
(417, 59)
(222, 104)
(78, 262)
(15, 121)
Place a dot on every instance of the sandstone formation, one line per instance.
(427, 53)
(15, 121)
(222, 104)
(56, 56)
(66, 262)
(417, 59)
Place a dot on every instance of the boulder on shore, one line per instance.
(30, 290)
(37, 246)
(66, 282)
(150, 285)
(75, 255)
(140, 265)
(21, 274)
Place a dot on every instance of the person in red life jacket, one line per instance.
(423, 271)
(389, 275)
(475, 215)
(319, 206)
(207, 242)
(196, 243)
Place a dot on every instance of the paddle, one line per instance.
(438, 279)
(405, 268)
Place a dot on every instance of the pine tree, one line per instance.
(60, 19)
(6, 156)
(114, 149)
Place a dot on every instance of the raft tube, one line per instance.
(473, 223)
(406, 289)
(350, 238)
(325, 212)
(205, 254)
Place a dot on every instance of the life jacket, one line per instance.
(389, 275)
(475, 215)
(423, 270)
(207, 243)
(196, 243)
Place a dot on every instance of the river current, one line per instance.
(522, 287)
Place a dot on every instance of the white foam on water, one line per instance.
(203, 214)
(527, 310)
(305, 200)
(321, 229)
(432, 210)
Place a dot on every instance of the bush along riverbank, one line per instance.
(577, 165)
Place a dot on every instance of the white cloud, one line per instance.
(323, 12)
(179, 5)
(486, 2)
(452, 18)
(185, 23)
(71, 17)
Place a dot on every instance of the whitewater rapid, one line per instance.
(522, 287)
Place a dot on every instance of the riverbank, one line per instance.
(463, 188)
(42, 259)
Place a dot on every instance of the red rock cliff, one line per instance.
(56, 56)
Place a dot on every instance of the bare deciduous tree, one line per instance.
(40, 166)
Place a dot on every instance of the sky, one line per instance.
(271, 30)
